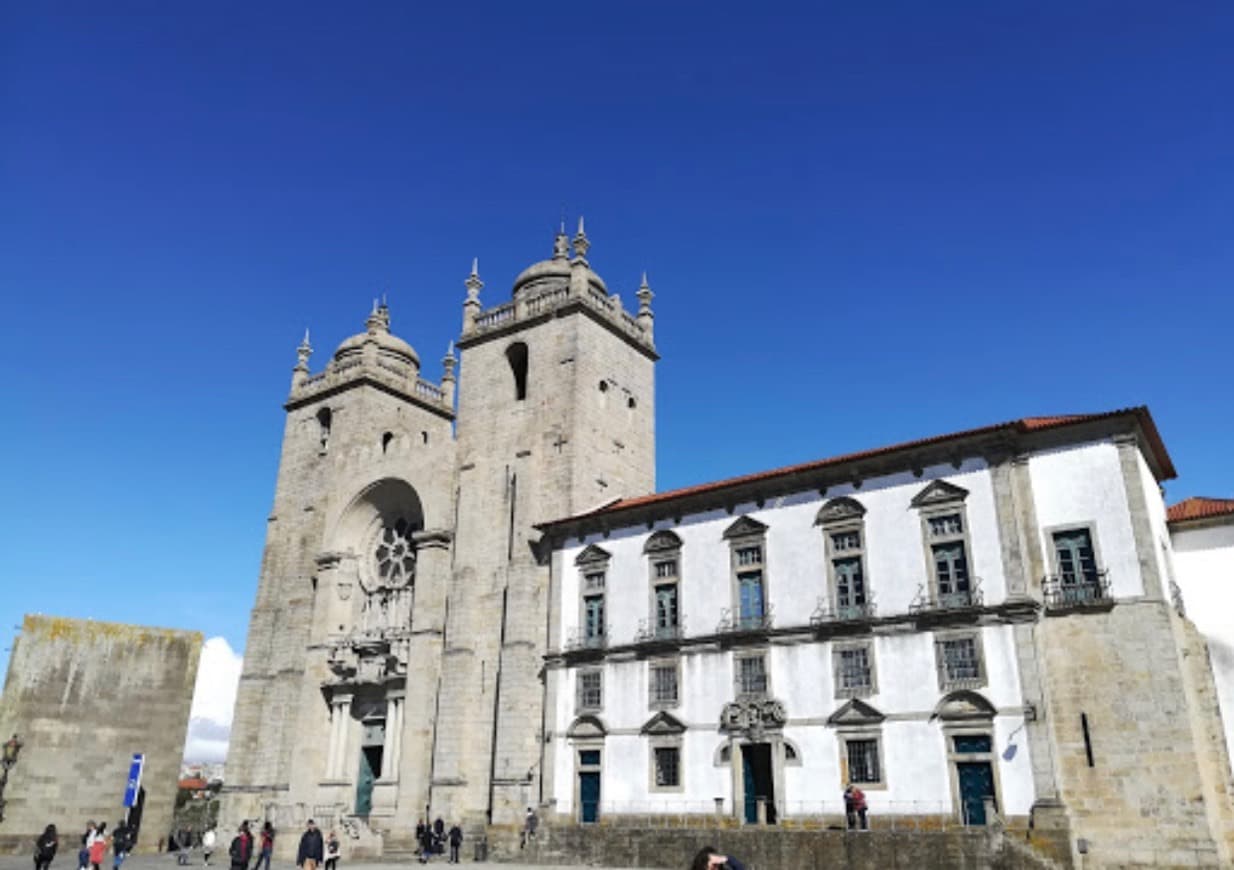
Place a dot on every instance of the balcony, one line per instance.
(735, 623)
(827, 613)
(1088, 591)
(581, 639)
(930, 602)
(651, 632)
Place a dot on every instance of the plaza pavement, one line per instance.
(67, 861)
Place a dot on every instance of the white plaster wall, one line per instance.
(1082, 484)
(1204, 571)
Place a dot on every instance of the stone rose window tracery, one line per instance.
(394, 556)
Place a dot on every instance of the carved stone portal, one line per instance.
(753, 718)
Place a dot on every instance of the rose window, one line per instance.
(395, 555)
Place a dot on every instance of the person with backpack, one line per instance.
(311, 850)
(241, 849)
(45, 848)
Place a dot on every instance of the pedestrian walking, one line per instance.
(855, 808)
(333, 847)
(311, 850)
(83, 854)
(98, 846)
(421, 826)
(439, 837)
(426, 844)
(208, 840)
(456, 841)
(121, 844)
(266, 845)
(45, 848)
(530, 822)
(710, 859)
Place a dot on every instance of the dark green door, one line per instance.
(589, 795)
(756, 781)
(976, 784)
(364, 782)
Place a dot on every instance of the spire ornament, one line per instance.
(581, 244)
(561, 244)
(473, 283)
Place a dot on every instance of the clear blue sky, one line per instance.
(863, 222)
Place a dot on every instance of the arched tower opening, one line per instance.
(516, 355)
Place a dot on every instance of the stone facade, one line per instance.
(83, 698)
(395, 647)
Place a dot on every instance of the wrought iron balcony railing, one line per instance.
(581, 639)
(731, 622)
(827, 612)
(649, 630)
(1067, 591)
(932, 601)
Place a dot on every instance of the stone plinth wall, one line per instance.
(83, 697)
(768, 848)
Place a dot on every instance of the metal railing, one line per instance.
(649, 631)
(1063, 592)
(924, 602)
(826, 612)
(906, 816)
(581, 639)
(733, 622)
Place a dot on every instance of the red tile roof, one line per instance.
(194, 784)
(1199, 508)
(1024, 425)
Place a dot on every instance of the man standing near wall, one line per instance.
(310, 853)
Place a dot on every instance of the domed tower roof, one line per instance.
(389, 346)
(554, 272)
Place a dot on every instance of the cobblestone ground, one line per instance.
(168, 862)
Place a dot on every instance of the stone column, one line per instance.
(393, 738)
(340, 712)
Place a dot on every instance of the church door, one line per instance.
(364, 781)
(757, 782)
(589, 785)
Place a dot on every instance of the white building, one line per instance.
(978, 620)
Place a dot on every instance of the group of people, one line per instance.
(94, 845)
(432, 840)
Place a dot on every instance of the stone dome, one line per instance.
(389, 346)
(554, 272)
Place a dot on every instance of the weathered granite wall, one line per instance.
(83, 697)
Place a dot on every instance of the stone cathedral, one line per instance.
(395, 647)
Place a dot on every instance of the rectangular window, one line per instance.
(960, 664)
(590, 690)
(750, 592)
(664, 684)
(593, 618)
(666, 568)
(666, 610)
(668, 766)
(853, 675)
(946, 525)
(843, 541)
(750, 555)
(593, 581)
(863, 763)
(951, 573)
(751, 676)
(1077, 561)
(850, 585)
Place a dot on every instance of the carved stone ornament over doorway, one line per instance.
(753, 718)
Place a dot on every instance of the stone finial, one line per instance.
(561, 244)
(645, 317)
(581, 244)
(471, 306)
(303, 352)
(447, 378)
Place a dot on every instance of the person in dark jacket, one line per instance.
(45, 848)
(121, 843)
(312, 850)
(241, 849)
(709, 859)
(267, 846)
(456, 840)
(426, 844)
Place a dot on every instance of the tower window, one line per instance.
(386, 438)
(631, 404)
(517, 356)
(323, 421)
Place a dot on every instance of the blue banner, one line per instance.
(134, 784)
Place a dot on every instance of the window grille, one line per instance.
(853, 670)
(668, 766)
(863, 763)
(666, 568)
(948, 524)
(751, 676)
(664, 684)
(593, 581)
(959, 662)
(752, 555)
(844, 541)
(590, 691)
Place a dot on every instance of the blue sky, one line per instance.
(864, 223)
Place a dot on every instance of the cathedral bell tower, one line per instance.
(556, 416)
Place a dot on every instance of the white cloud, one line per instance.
(214, 699)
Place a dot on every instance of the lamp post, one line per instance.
(12, 746)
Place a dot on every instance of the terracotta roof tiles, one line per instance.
(1200, 508)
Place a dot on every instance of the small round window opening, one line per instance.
(395, 555)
